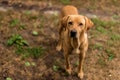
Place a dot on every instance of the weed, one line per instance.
(110, 43)
(34, 52)
(76, 63)
(116, 16)
(30, 64)
(115, 37)
(8, 78)
(17, 40)
(56, 68)
(65, 1)
(14, 22)
(27, 12)
(98, 22)
(34, 33)
(98, 46)
(27, 64)
(101, 29)
(22, 26)
(104, 27)
(110, 54)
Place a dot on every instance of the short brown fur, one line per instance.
(72, 21)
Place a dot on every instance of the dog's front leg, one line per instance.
(81, 59)
(67, 62)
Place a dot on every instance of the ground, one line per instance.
(29, 34)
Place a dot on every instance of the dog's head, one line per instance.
(76, 24)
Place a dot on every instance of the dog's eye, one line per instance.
(80, 24)
(71, 23)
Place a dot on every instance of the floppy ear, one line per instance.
(64, 22)
(88, 23)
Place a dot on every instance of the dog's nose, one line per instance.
(73, 33)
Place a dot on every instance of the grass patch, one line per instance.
(27, 12)
(102, 26)
(34, 52)
(22, 26)
(98, 46)
(65, 1)
(98, 22)
(116, 16)
(115, 37)
(110, 54)
(16, 39)
(14, 22)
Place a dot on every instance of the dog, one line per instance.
(73, 36)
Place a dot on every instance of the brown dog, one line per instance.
(73, 36)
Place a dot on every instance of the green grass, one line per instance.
(22, 26)
(116, 16)
(65, 1)
(110, 54)
(104, 28)
(97, 46)
(34, 52)
(14, 22)
(98, 22)
(16, 39)
(115, 37)
(56, 68)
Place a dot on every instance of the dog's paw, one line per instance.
(81, 75)
(58, 47)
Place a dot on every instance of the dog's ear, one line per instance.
(64, 22)
(88, 23)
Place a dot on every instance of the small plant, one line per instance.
(98, 22)
(115, 37)
(65, 1)
(8, 78)
(30, 64)
(34, 52)
(14, 22)
(34, 33)
(22, 26)
(56, 68)
(110, 54)
(27, 64)
(27, 12)
(98, 46)
(17, 40)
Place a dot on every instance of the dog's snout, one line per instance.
(73, 33)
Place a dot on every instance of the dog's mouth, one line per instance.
(73, 34)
